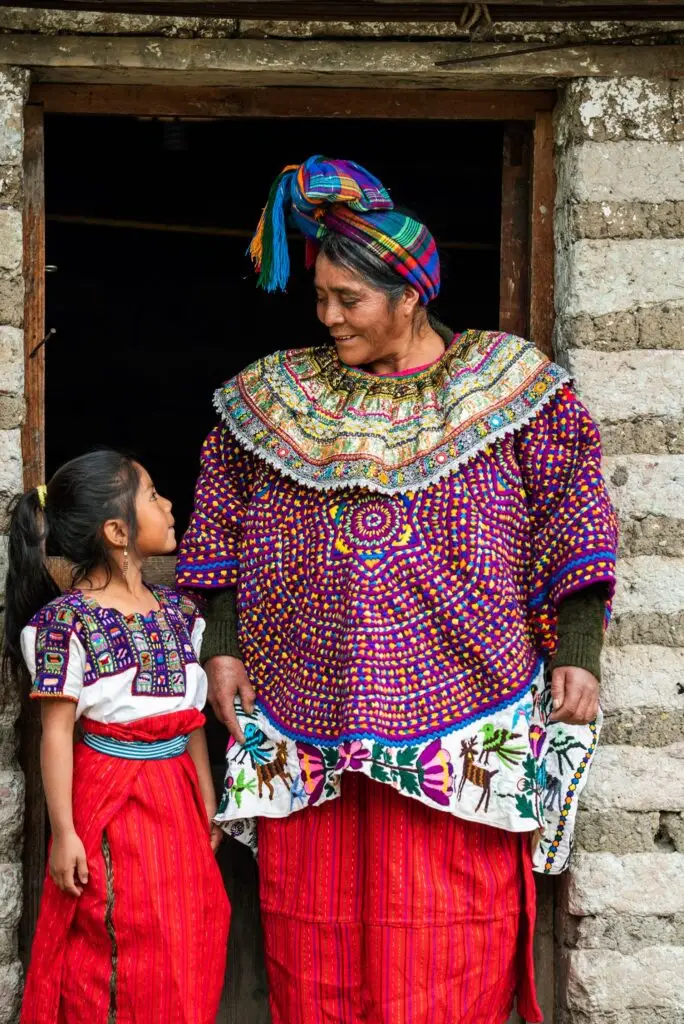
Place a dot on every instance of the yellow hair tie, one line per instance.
(42, 495)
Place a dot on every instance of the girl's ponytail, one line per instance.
(29, 584)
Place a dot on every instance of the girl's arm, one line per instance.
(68, 864)
(197, 749)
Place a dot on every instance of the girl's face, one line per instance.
(362, 323)
(156, 535)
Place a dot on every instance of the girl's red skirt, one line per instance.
(146, 941)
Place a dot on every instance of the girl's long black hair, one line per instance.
(80, 498)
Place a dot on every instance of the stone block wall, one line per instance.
(620, 329)
(13, 93)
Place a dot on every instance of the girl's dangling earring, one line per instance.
(124, 566)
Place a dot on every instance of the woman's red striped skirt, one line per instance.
(146, 941)
(380, 910)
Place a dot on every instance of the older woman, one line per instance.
(411, 530)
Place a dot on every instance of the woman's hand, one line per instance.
(227, 680)
(68, 865)
(215, 836)
(575, 696)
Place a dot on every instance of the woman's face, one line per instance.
(362, 323)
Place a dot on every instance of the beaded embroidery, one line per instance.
(328, 425)
(158, 645)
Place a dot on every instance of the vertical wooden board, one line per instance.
(542, 244)
(33, 433)
(515, 205)
(544, 947)
(33, 450)
(544, 952)
(245, 994)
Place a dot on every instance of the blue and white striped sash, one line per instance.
(137, 750)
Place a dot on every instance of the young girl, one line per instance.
(134, 918)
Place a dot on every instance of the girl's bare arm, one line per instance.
(68, 865)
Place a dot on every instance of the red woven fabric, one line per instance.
(156, 951)
(380, 910)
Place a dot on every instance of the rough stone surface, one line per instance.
(8, 733)
(14, 84)
(657, 435)
(619, 386)
(626, 220)
(646, 628)
(649, 1016)
(658, 326)
(671, 830)
(636, 779)
(10, 894)
(10, 992)
(626, 831)
(650, 585)
(11, 814)
(607, 980)
(614, 172)
(652, 535)
(10, 461)
(12, 410)
(642, 485)
(632, 272)
(11, 185)
(635, 883)
(642, 677)
(621, 932)
(10, 240)
(11, 297)
(8, 945)
(661, 326)
(617, 109)
(646, 728)
(11, 360)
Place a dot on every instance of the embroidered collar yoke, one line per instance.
(329, 425)
(400, 547)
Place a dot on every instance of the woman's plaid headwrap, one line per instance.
(324, 195)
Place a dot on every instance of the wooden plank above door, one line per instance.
(291, 101)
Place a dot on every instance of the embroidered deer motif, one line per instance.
(275, 769)
(552, 792)
(480, 777)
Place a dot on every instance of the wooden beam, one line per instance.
(515, 205)
(33, 450)
(33, 432)
(542, 243)
(369, 10)
(349, 63)
(161, 101)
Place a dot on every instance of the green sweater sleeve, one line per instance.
(221, 631)
(580, 630)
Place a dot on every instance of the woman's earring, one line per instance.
(124, 566)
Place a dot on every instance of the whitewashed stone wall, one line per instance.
(13, 89)
(620, 328)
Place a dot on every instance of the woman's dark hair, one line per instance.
(344, 252)
(80, 498)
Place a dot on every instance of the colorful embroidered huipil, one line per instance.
(400, 547)
(146, 939)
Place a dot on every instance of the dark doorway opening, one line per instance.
(153, 298)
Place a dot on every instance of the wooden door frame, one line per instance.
(526, 280)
